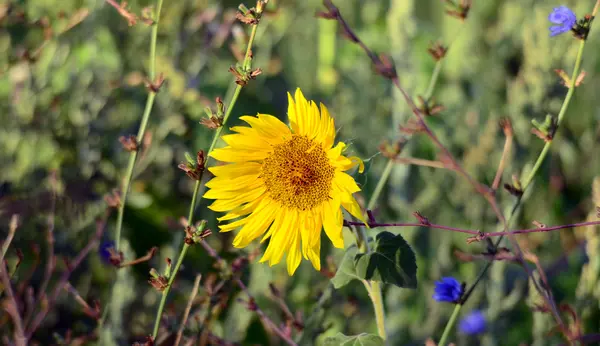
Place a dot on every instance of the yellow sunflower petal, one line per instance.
(336, 151)
(233, 225)
(266, 125)
(280, 215)
(314, 255)
(268, 138)
(227, 193)
(298, 113)
(229, 154)
(244, 142)
(241, 210)
(237, 183)
(278, 243)
(351, 205)
(229, 204)
(294, 254)
(327, 127)
(261, 219)
(235, 169)
(333, 222)
(345, 182)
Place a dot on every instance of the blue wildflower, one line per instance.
(448, 290)
(103, 250)
(564, 17)
(473, 323)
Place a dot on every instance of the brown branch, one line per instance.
(188, 308)
(262, 315)
(87, 309)
(421, 162)
(65, 278)
(12, 229)
(470, 231)
(212, 253)
(11, 306)
(148, 256)
(51, 260)
(508, 133)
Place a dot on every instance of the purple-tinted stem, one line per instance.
(470, 231)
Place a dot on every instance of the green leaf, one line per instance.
(363, 339)
(347, 269)
(392, 262)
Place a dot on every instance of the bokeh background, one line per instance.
(72, 82)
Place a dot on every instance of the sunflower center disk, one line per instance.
(298, 173)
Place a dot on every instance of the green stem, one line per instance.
(433, 81)
(525, 185)
(377, 299)
(450, 324)
(380, 184)
(143, 125)
(561, 115)
(217, 134)
(140, 136)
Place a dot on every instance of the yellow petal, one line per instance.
(294, 255)
(279, 217)
(267, 126)
(229, 154)
(259, 221)
(280, 237)
(241, 210)
(353, 208)
(229, 204)
(244, 142)
(235, 169)
(335, 152)
(227, 193)
(242, 182)
(345, 182)
(332, 222)
(314, 255)
(233, 225)
(268, 138)
(327, 127)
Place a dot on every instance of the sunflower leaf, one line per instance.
(392, 261)
(347, 270)
(362, 339)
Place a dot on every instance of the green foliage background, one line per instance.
(65, 108)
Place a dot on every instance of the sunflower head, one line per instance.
(285, 184)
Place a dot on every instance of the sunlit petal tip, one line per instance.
(299, 96)
(357, 161)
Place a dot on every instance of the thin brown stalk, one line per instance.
(11, 307)
(212, 253)
(471, 231)
(64, 279)
(88, 310)
(188, 308)
(505, 152)
(12, 229)
(51, 260)
(421, 162)
(264, 317)
(148, 256)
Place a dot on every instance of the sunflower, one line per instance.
(285, 183)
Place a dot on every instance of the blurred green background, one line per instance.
(71, 83)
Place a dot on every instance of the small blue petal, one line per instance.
(473, 323)
(103, 250)
(448, 289)
(564, 17)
